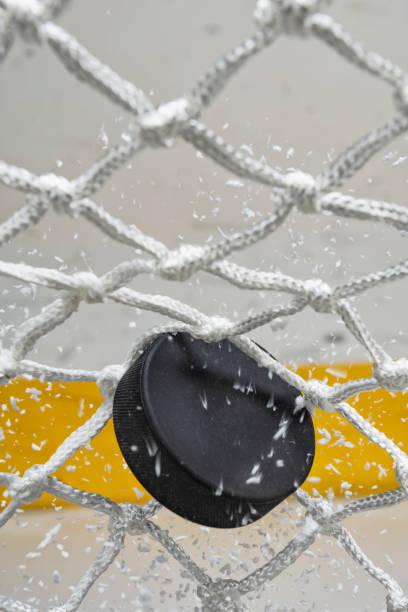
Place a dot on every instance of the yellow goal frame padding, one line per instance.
(35, 417)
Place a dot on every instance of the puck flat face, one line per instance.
(210, 434)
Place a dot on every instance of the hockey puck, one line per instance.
(211, 435)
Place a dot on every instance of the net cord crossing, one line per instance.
(160, 127)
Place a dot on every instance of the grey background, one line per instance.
(297, 95)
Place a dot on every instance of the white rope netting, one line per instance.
(161, 127)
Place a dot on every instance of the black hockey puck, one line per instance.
(211, 435)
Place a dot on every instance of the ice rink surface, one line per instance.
(299, 105)
(146, 579)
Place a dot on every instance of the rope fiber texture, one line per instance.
(161, 127)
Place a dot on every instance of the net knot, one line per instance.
(304, 191)
(317, 395)
(292, 17)
(31, 485)
(131, 519)
(59, 190)
(109, 378)
(89, 287)
(396, 602)
(392, 375)
(401, 97)
(319, 509)
(161, 126)
(319, 295)
(321, 512)
(180, 263)
(8, 367)
(265, 14)
(26, 15)
(221, 595)
(214, 329)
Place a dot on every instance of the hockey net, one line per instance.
(160, 127)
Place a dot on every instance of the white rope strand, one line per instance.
(161, 126)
